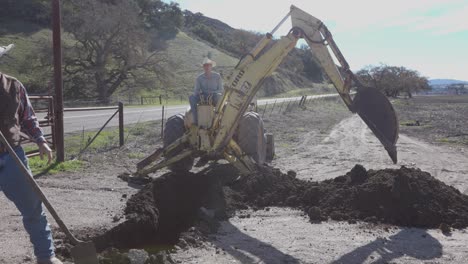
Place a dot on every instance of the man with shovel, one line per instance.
(17, 114)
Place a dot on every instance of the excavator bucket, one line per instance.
(378, 113)
(371, 105)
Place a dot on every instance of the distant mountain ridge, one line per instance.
(433, 82)
(214, 23)
(448, 86)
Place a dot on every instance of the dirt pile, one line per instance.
(158, 213)
(142, 217)
(405, 196)
(171, 204)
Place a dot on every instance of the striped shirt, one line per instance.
(28, 120)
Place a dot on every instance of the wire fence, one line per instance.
(129, 100)
(281, 106)
(89, 124)
(44, 109)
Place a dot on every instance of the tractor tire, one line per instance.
(251, 138)
(173, 130)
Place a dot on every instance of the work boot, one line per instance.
(52, 260)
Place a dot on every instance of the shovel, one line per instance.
(82, 252)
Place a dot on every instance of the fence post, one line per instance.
(121, 124)
(160, 100)
(264, 109)
(281, 107)
(162, 122)
(58, 81)
(287, 107)
(273, 107)
(97, 134)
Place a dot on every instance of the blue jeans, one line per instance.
(17, 189)
(195, 99)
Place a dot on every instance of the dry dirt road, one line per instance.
(94, 197)
(94, 119)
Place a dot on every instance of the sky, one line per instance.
(430, 36)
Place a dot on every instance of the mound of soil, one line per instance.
(142, 217)
(171, 203)
(405, 197)
(159, 212)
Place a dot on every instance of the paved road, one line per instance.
(77, 121)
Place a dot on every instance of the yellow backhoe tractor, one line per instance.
(229, 131)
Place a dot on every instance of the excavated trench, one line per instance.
(171, 203)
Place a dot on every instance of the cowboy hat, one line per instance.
(208, 61)
(5, 49)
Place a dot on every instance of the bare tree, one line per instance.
(457, 88)
(111, 46)
(393, 80)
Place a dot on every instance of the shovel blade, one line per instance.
(84, 253)
(378, 113)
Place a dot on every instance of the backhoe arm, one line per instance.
(371, 105)
(246, 79)
(317, 37)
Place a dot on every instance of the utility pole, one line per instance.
(58, 83)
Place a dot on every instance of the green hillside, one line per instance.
(178, 55)
(186, 54)
(25, 36)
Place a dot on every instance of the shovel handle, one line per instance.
(26, 173)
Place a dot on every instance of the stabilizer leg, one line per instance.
(143, 168)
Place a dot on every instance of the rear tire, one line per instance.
(173, 130)
(251, 138)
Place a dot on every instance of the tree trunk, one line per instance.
(103, 94)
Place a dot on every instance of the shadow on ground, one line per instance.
(247, 249)
(409, 242)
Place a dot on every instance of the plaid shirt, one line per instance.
(27, 118)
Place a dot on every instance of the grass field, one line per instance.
(436, 119)
(75, 144)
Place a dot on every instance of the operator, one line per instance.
(17, 114)
(208, 87)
